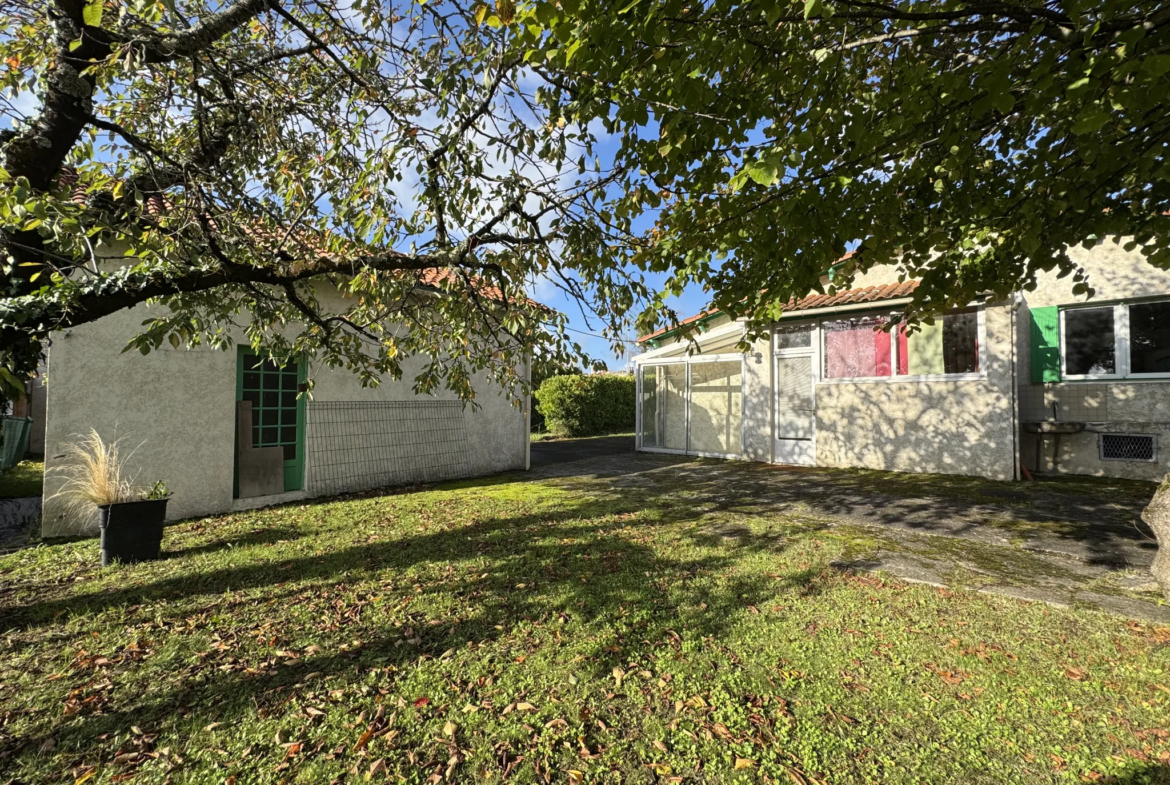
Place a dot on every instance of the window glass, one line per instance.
(856, 348)
(664, 413)
(716, 407)
(1089, 344)
(796, 336)
(722, 344)
(950, 345)
(1149, 338)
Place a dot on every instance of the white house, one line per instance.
(1045, 381)
(227, 430)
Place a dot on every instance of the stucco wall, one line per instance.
(176, 409)
(1127, 406)
(757, 402)
(945, 427)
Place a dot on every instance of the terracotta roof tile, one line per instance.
(157, 204)
(865, 294)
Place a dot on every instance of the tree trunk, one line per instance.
(1157, 515)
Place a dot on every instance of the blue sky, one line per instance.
(584, 330)
(692, 300)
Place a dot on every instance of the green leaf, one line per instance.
(1092, 120)
(1156, 65)
(91, 14)
(813, 8)
(763, 172)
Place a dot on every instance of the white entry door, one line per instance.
(795, 402)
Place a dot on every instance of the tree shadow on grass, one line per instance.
(269, 535)
(578, 562)
(1093, 520)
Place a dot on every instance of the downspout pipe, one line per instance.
(1017, 301)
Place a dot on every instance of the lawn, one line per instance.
(26, 478)
(562, 631)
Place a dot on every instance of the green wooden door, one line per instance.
(278, 413)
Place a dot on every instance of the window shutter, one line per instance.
(1045, 345)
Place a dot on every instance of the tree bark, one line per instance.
(1157, 515)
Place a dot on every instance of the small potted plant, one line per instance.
(130, 518)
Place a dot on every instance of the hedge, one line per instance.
(582, 405)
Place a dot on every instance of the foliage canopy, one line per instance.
(973, 143)
(228, 159)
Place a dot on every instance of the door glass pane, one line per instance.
(794, 398)
(716, 407)
(649, 406)
(1089, 345)
(1149, 338)
(664, 413)
(856, 348)
(794, 336)
(672, 406)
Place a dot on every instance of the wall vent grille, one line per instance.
(1128, 447)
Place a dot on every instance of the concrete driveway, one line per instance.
(568, 450)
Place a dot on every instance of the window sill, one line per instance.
(1114, 379)
(950, 377)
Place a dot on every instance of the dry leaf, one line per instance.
(744, 763)
(364, 739)
(525, 707)
(450, 728)
(378, 767)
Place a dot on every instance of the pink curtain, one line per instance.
(903, 352)
(856, 349)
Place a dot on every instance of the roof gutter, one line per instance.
(871, 305)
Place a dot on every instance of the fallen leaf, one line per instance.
(575, 776)
(377, 767)
(1076, 674)
(525, 707)
(420, 702)
(364, 739)
(744, 763)
(450, 728)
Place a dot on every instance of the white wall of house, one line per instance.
(1139, 406)
(970, 423)
(175, 408)
(940, 427)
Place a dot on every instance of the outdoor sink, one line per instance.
(1047, 426)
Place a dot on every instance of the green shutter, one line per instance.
(1045, 345)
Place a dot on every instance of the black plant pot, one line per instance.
(132, 531)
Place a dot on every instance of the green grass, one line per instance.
(546, 436)
(507, 631)
(26, 478)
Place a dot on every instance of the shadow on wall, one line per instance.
(934, 427)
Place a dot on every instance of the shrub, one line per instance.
(580, 405)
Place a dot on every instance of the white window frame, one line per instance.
(688, 362)
(894, 378)
(1122, 360)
